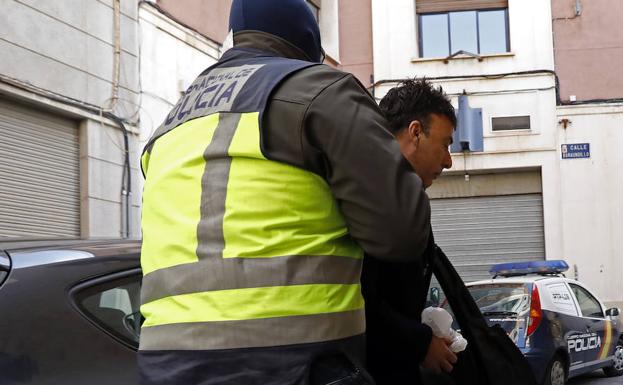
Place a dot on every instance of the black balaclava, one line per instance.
(291, 20)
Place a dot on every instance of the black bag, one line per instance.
(491, 357)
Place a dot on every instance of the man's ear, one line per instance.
(414, 130)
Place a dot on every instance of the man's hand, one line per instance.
(439, 356)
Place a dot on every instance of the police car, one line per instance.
(558, 324)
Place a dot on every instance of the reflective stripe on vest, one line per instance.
(262, 255)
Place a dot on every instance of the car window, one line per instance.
(507, 297)
(504, 304)
(5, 266)
(114, 305)
(589, 306)
(561, 298)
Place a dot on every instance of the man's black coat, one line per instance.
(397, 341)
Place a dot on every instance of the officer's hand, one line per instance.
(439, 356)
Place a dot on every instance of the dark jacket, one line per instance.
(397, 341)
(491, 358)
(321, 120)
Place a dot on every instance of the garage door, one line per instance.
(39, 174)
(479, 231)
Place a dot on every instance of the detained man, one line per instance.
(423, 122)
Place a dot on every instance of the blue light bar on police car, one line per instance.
(533, 267)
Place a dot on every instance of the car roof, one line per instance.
(120, 253)
(96, 247)
(10, 244)
(522, 279)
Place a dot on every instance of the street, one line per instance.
(596, 378)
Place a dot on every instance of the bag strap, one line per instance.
(429, 257)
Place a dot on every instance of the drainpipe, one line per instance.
(126, 179)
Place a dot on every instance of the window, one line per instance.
(501, 298)
(561, 298)
(479, 32)
(5, 267)
(510, 123)
(113, 304)
(589, 306)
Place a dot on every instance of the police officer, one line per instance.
(264, 187)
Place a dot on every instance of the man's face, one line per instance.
(428, 154)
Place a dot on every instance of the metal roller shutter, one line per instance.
(477, 232)
(39, 174)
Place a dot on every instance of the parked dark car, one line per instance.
(69, 312)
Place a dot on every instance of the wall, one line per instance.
(395, 57)
(58, 50)
(591, 199)
(355, 26)
(172, 56)
(346, 28)
(581, 197)
(208, 17)
(328, 23)
(66, 47)
(101, 168)
(588, 49)
(588, 57)
(395, 43)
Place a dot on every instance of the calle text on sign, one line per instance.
(576, 150)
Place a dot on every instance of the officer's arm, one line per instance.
(385, 325)
(382, 199)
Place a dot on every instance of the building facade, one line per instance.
(534, 176)
(588, 56)
(345, 26)
(83, 85)
(69, 102)
(173, 54)
(520, 187)
(179, 39)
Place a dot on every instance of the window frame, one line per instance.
(529, 129)
(85, 289)
(447, 13)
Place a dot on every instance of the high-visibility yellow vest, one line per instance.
(239, 250)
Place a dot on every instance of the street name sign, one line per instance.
(576, 150)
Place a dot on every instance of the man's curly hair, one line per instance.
(415, 99)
